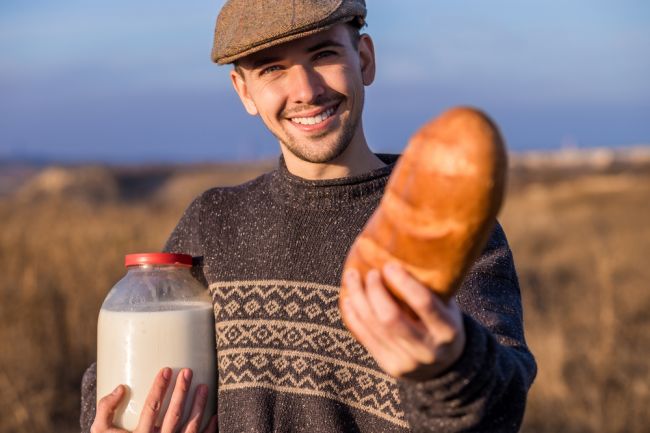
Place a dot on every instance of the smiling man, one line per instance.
(272, 253)
(310, 94)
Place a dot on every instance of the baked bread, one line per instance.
(440, 203)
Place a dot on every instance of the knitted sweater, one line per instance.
(272, 252)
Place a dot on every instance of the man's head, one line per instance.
(308, 85)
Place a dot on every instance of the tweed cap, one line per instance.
(247, 26)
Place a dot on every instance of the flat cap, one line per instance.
(247, 26)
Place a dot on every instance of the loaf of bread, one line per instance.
(440, 203)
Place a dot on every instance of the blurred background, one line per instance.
(112, 118)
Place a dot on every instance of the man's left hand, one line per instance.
(404, 346)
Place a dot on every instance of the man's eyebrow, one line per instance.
(272, 59)
(265, 61)
(324, 44)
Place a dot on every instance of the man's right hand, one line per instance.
(147, 424)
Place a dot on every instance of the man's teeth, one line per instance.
(316, 119)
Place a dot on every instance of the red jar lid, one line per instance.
(157, 259)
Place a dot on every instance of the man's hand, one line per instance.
(404, 346)
(107, 405)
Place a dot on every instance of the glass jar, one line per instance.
(158, 315)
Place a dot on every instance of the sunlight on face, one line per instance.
(309, 92)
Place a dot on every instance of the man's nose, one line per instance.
(306, 85)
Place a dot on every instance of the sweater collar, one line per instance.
(296, 191)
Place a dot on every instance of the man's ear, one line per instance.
(239, 83)
(367, 58)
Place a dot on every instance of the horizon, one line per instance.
(97, 82)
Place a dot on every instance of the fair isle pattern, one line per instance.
(288, 336)
(278, 298)
(337, 343)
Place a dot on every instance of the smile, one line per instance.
(314, 120)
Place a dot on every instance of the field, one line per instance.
(580, 232)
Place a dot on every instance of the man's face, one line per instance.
(310, 92)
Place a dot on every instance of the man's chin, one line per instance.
(319, 148)
(316, 157)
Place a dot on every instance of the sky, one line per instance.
(124, 81)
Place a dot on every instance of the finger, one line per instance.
(392, 361)
(198, 406)
(359, 328)
(410, 336)
(361, 331)
(153, 403)
(387, 310)
(357, 297)
(212, 425)
(368, 331)
(357, 301)
(177, 403)
(106, 408)
(427, 305)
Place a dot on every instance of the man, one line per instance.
(272, 253)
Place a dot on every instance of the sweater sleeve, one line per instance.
(486, 389)
(88, 398)
(185, 238)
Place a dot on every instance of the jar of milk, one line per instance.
(156, 316)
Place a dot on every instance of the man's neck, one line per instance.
(356, 159)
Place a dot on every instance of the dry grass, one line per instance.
(580, 242)
(61, 249)
(581, 246)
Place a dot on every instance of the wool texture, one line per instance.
(271, 253)
(244, 27)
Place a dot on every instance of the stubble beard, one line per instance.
(308, 150)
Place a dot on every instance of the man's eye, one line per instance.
(323, 54)
(270, 69)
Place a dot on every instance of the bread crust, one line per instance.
(440, 204)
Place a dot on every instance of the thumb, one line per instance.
(106, 410)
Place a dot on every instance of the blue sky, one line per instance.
(132, 81)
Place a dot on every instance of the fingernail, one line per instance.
(187, 374)
(373, 274)
(117, 389)
(351, 274)
(167, 373)
(391, 269)
(203, 390)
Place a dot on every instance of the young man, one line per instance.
(272, 254)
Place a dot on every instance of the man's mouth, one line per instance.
(314, 120)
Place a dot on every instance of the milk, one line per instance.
(132, 347)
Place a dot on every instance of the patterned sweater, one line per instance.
(271, 254)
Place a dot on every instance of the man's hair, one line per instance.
(354, 29)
